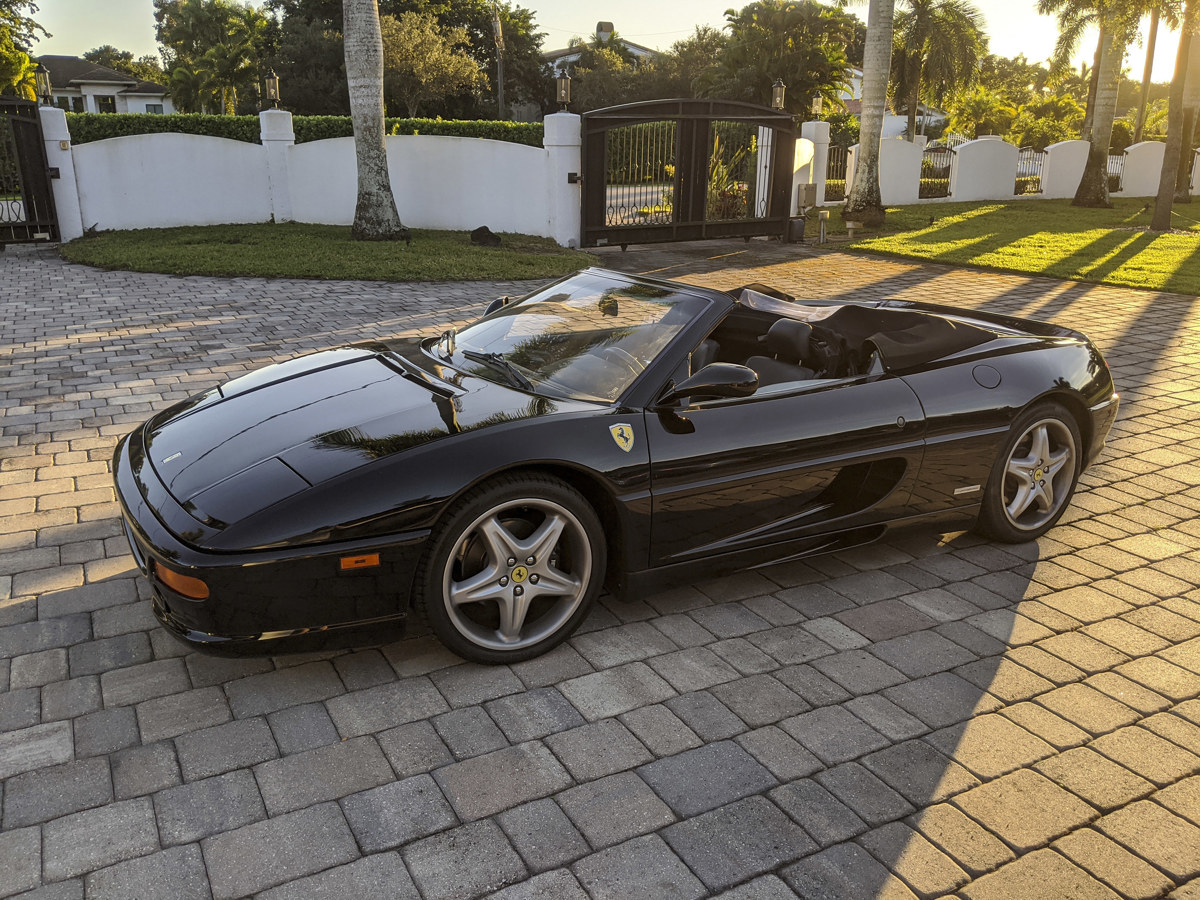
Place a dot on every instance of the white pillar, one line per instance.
(58, 156)
(1196, 172)
(818, 133)
(275, 130)
(563, 141)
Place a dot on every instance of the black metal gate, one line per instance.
(681, 170)
(26, 199)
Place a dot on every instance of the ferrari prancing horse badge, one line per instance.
(623, 435)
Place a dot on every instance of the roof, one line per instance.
(73, 71)
(635, 49)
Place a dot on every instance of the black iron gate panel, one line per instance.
(26, 198)
(679, 170)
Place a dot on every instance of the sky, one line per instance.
(1013, 26)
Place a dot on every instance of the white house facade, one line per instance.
(81, 86)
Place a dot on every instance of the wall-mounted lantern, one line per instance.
(272, 84)
(41, 80)
(564, 91)
(777, 92)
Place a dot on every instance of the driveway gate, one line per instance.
(680, 170)
(26, 200)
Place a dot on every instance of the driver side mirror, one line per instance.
(715, 380)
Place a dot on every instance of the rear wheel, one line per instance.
(1034, 477)
(512, 570)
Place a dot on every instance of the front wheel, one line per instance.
(1034, 477)
(512, 570)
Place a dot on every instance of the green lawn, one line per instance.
(1049, 237)
(323, 251)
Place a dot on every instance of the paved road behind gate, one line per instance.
(932, 715)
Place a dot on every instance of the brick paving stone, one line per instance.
(300, 728)
(1126, 637)
(683, 630)
(20, 860)
(859, 672)
(642, 867)
(485, 785)
(466, 862)
(387, 705)
(36, 669)
(1132, 694)
(870, 798)
(1003, 678)
(972, 638)
(942, 699)
(94, 657)
(886, 717)
(707, 716)
(542, 835)
(364, 669)
(1051, 728)
(822, 815)
(190, 812)
(614, 691)
(598, 749)
(623, 644)
(178, 714)
(1043, 874)
(905, 853)
(1101, 782)
(696, 781)
(144, 770)
(559, 664)
(834, 734)
(830, 631)
(919, 772)
(614, 809)
(1182, 798)
(1009, 627)
(469, 731)
(1162, 677)
(779, 753)
(1145, 753)
(223, 748)
(1185, 655)
(661, 731)
(812, 686)
(759, 700)
(414, 749)
(67, 699)
(557, 885)
(205, 670)
(1164, 623)
(180, 867)
(471, 685)
(990, 745)
(1175, 729)
(846, 870)
(35, 797)
(394, 814)
(1025, 809)
(96, 838)
(1112, 864)
(34, 748)
(1086, 604)
(1083, 652)
(736, 842)
(135, 684)
(271, 691)
(964, 840)
(694, 669)
(381, 875)
(533, 714)
(22, 709)
(105, 731)
(268, 853)
(790, 645)
(1157, 836)
(922, 653)
(1088, 708)
(326, 773)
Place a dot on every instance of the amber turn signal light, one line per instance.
(364, 561)
(192, 588)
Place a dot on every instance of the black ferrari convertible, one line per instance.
(604, 432)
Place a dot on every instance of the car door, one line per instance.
(727, 475)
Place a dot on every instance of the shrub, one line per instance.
(835, 189)
(1028, 184)
(934, 187)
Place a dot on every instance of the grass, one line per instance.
(1049, 237)
(323, 251)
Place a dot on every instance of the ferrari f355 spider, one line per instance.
(604, 432)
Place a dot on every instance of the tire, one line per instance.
(1034, 477)
(476, 586)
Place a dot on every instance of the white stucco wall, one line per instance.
(899, 170)
(984, 169)
(1062, 168)
(161, 180)
(439, 182)
(1143, 168)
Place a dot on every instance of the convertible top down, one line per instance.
(604, 432)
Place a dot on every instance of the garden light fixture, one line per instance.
(777, 91)
(41, 78)
(564, 91)
(272, 83)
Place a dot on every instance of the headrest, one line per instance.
(787, 340)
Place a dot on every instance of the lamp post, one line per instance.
(499, 34)
(41, 81)
(271, 80)
(777, 92)
(563, 83)
(818, 105)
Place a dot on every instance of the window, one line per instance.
(106, 103)
(154, 108)
(63, 103)
(77, 105)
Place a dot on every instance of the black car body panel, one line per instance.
(264, 486)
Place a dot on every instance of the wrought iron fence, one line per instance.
(640, 173)
(1116, 171)
(936, 164)
(1030, 164)
(835, 174)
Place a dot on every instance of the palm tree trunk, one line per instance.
(375, 216)
(1191, 99)
(864, 203)
(1146, 72)
(1093, 82)
(1093, 186)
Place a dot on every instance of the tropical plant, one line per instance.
(865, 204)
(16, 22)
(16, 70)
(144, 68)
(375, 215)
(981, 111)
(423, 61)
(1040, 123)
(937, 46)
(1015, 78)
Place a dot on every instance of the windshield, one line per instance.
(588, 337)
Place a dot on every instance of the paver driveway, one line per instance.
(930, 715)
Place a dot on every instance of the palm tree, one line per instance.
(864, 204)
(375, 215)
(938, 47)
(981, 112)
(1177, 122)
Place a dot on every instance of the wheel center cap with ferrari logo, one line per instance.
(519, 574)
(1038, 474)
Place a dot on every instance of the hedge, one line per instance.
(87, 127)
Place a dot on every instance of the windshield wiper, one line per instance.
(496, 361)
(448, 336)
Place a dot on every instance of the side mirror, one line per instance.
(715, 380)
(498, 303)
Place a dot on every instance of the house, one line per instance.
(894, 123)
(562, 60)
(81, 86)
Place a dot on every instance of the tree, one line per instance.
(16, 70)
(1015, 78)
(423, 61)
(982, 111)
(1172, 154)
(1040, 123)
(16, 22)
(375, 215)
(144, 68)
(864, 203)
(938, 46)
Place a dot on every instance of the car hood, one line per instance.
(278, 431)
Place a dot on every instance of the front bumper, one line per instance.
(258, 598)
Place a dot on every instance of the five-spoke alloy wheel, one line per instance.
(512, 570)
(1034, 477)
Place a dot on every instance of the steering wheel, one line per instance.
(628, 360)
